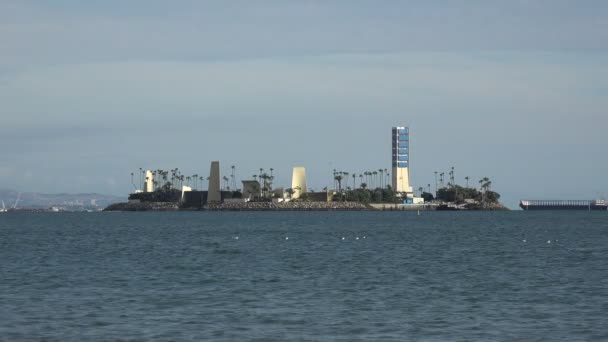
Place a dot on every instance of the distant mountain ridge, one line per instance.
(62, 200)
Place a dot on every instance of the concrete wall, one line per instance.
(418, 200)
(321, 196)
(251, 189)
(185, 189)
(194, 199)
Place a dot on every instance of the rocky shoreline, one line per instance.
(244, 206)
(297, 206)
(143, 206)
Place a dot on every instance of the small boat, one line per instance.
(446, 207)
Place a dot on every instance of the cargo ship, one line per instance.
(563, 205)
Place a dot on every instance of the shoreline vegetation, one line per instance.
(451, 198)
(380, 196)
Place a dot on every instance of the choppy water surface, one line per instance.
(304, 276)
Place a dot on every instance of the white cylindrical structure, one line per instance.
(298, 181)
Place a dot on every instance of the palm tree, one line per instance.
(141, 186)
(134, 187)
(420, 189)
(375, 177)
(261, 171)
(354, 180)
(467, 179)
(338, 179)
(386, 174)
(360, 179)
(335, 181)
(345, 174)
(380, 171)
(165, 174)
(290, 192)
(452, 176)
(435, 182)
(270, 178)
(486, 184)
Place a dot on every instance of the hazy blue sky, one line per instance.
(513, 90)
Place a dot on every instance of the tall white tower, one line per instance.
(401, 159)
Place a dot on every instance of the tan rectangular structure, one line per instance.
(214, 195)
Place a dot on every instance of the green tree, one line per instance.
(428, 197)
(290, 192)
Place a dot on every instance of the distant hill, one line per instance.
(68, 201)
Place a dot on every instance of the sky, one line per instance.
(516, 91)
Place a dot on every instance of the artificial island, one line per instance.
(378, 189)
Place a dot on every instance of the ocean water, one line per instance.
(304, 276)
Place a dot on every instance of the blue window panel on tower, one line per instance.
(403, 144)
(401, 151)
(402, 164)
(403, 158)
(402, 131)
(403, 138)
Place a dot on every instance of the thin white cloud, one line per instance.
(348, 85)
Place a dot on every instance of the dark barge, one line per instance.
(563, 205)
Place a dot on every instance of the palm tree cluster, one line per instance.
(169, 179)
(454, 192)
(367, 179)
(484, 184)
(266, 180)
